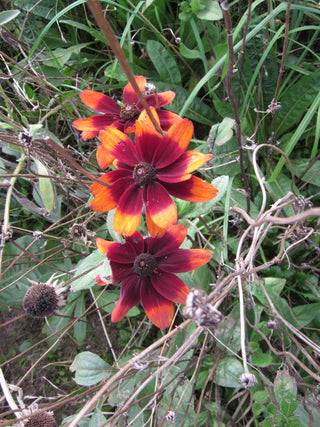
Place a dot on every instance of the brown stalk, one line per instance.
(109, 34)
(228, 84)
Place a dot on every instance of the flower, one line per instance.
(43, 299)
(147, 173)
(122, 117)
(145, 269)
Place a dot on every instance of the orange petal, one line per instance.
(181, 132)
(196, 159)
(153, 229)
(104, 157)
(128, 214)
(103, 201)
(99, 102)
(103, 245)
(193, 190)
(160, 206)
(144, 119)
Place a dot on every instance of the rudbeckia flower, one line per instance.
(146, 267)
(123, 117)
(147, 173)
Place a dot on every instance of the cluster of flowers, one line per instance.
(143, 175)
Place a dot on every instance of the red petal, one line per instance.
(103, 245)
(159, 205)
(119, 145)
(136, 241)
(174, 143)
(129, 95)
(181, 168)
(169, 242)
(159, 310)
(182, 260)
(147, 141)
(158, 100)
(129, 126)
(128, 214)
(96, 123)
(120, 271)
(110, 178)
(100, 102)
(129, 297)
(104, 157)
(193, 190)
(99, 281)
(122, 253)
(170, 287)
(167, 118)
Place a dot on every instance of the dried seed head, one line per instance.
(248, 380)
(149, 89)
(272, 324)
(41, 419)
(25, 138)
(198, 309)
(43, 299)
(171, 417)
(80, 232)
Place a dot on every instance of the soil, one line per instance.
(51, 379)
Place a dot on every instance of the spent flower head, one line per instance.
(43, 299)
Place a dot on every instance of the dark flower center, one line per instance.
(145, 265)
(40, 301)
(129, 112)
(144, 173)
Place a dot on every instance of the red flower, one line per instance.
(146, 266)
(146, 173)
(122, 118)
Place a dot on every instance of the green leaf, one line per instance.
(261, 359)
(257, 408)
(189, 53)
(296, 100)
(228, 372)
(7, 16)
(90, 369)
(288, 405)
(312, 175)
(60, 56)
(163, 62)
(80, 328)
(88, 269)
(97, 419)
(194, 210)
(306, 313)
(260, 396)
(211, 11)
(285, 385)
(46, 187)
(222, 132)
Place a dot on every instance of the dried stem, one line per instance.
(109, 34)
(228, 83)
